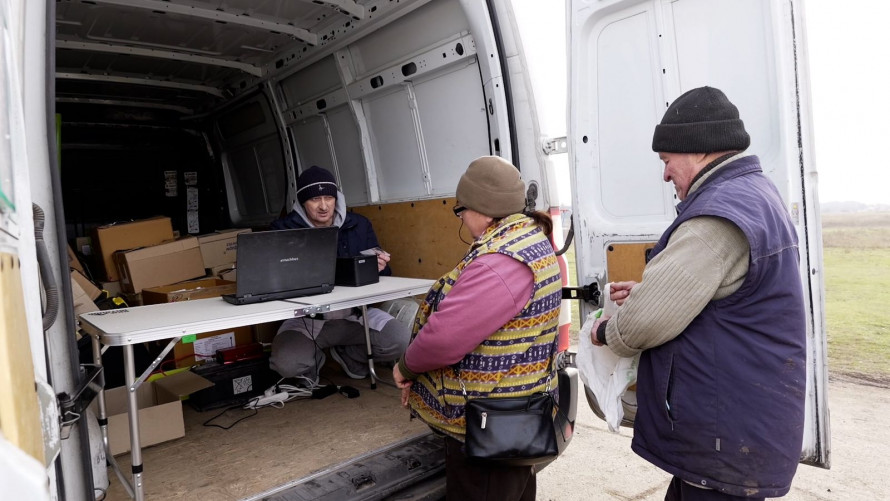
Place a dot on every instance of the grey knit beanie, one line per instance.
(315, 182)
(700, 121)
(491, 186)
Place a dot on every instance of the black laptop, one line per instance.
(284, 264)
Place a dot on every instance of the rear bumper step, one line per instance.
(382, 474)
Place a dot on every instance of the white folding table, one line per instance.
(128, 326)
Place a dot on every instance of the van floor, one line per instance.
(271, 448)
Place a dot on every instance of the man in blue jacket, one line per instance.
(297, 347)
(718, 319)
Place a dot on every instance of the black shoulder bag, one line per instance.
(518, 431)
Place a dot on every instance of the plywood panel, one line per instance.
(422, 237)
(19, 411)
(626, 261)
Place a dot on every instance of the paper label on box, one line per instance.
(242, 384)
(170, 184)
(205, 349)
(192, 221)
(188, 339)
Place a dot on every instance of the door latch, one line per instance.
(589, 293)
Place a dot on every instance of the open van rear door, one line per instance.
(628, 60)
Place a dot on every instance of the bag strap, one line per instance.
(550, 372)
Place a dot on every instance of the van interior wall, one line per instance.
(120, 173)
(423, 237)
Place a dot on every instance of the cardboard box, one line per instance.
(221, 247)
(231, 275)
(85, 285)
(202, 347)
(160, 410)
(121, 236)
(207, 343)
(161, 264)
(74, 261)
(185, 291)
(83, 302)
(223, 269)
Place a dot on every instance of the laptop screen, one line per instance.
(270, 262)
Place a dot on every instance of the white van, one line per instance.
(206, 111)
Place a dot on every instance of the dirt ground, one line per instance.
(599, 465)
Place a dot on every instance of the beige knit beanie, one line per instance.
(491, 186)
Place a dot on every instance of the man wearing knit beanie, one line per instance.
(718, 319)
(315, 182)
(297, 348)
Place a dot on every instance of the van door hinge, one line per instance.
(589, 293)
(72, 407)
(555, 145)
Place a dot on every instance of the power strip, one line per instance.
(266, 400)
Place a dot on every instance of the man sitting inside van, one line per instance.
(297, 347)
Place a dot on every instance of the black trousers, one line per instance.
(468, 480)
(679, 490)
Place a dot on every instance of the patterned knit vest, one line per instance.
(515, 360)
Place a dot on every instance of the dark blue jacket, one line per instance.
(722, 404)
(356, 234)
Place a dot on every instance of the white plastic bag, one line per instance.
(606, 374)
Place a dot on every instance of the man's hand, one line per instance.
(620, 291)
(382, 260)
(403, 383)
(596, 326)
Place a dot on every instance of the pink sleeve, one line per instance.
(488, 293)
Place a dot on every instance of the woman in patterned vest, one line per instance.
(489, 325)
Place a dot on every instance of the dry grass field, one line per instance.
(857, 292)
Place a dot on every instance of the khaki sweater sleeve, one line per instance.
(706, 258)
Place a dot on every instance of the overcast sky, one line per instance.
(849, 56)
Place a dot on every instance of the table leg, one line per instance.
(370, 350)
(103, 420)
(133, 414)
(371, 370)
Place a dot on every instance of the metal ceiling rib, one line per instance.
(158, 53)
(349, 7)
(131, 104)
(219, 16)
(201, 51)
(141, 81)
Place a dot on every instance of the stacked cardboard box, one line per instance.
(187, 291)
(121, 236)
(219, 249)
(160, 264)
